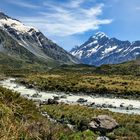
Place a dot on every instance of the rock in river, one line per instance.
(130, 107)
(103, 138)
(56, 97)
(63, 96)
(122, 105)
(36, 95)
(81, 100)
(52, 101)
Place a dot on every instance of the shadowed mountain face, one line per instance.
(100, 49)
(29, 44)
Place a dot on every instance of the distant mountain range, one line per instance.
(100, 49)
(27, 45)
(24, 46)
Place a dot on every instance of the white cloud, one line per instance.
(64, 19)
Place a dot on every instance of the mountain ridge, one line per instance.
(99, 49)
(32, 41)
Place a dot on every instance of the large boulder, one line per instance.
(103, 123)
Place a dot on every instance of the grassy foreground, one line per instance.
(20, 119)
(79, 115)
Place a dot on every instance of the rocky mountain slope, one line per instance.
(100, 49)
(27, 43)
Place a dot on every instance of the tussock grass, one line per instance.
(126, 86)
(20, 119)
(80, 115)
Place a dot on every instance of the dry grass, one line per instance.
(21, 120)
(80, 116)
(87, 83)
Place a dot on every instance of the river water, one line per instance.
(113, 104)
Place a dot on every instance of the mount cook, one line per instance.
(100, 49)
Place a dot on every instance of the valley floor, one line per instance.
(80, 94)
(26, 121)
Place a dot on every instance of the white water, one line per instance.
(72, 99)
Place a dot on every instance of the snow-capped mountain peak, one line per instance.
(15, 24)
(33, 41)
(99, 35)
(100, 49)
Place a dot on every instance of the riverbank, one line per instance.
(113, 104)
(120, 86)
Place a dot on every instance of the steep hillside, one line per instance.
(15, 56)
(29, 45)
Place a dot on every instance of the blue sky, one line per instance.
(72, 22)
